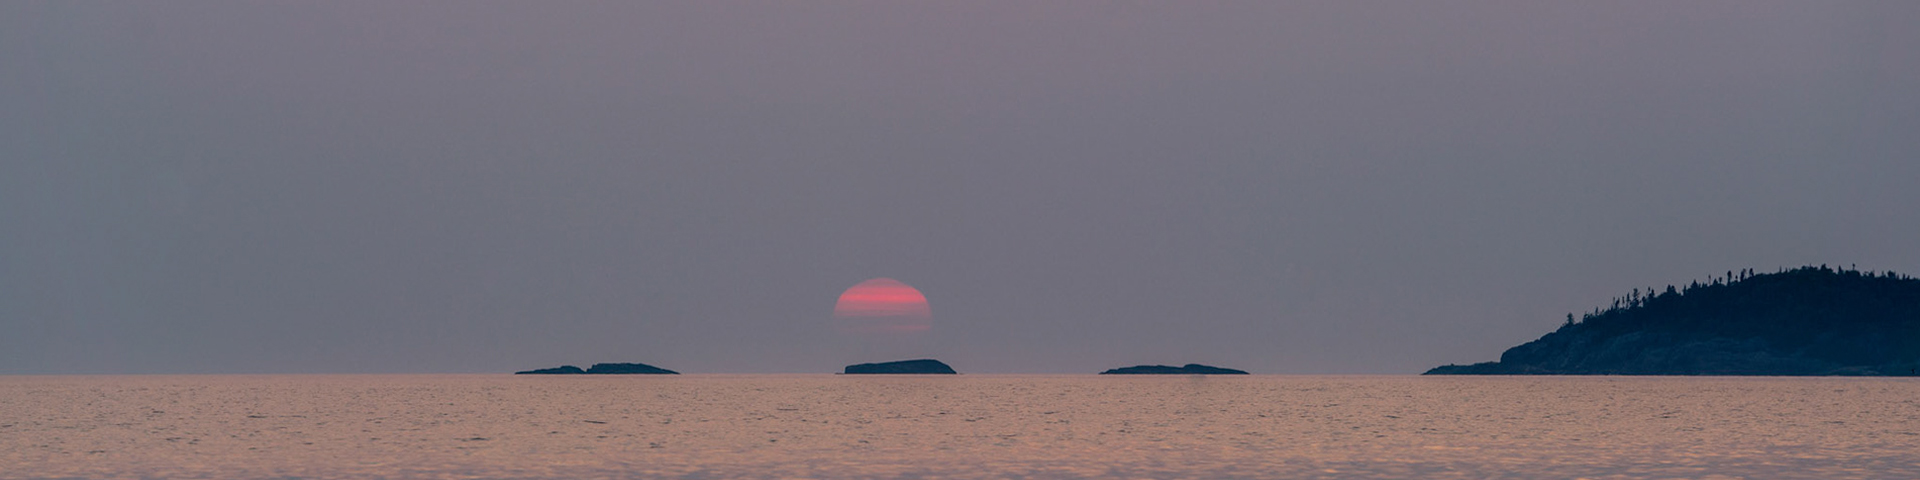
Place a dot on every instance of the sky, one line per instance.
(1281, 187)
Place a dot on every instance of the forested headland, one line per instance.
(1804, 321)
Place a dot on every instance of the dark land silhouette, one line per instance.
(560, 370)
(1805, 321)
(602, 369)
(1189, 369)
(921, 366)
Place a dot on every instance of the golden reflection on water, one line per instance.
(967, 426)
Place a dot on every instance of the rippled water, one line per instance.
(968, 426)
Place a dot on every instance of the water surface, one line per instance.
(967, 426)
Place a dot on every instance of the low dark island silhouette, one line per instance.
(1189, 369)
(602, 369)
(909, 367)
(1805, 321)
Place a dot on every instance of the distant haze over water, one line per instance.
(968, 426)
(440, 186)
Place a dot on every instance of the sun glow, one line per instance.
(882, 305)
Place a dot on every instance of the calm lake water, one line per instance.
(968, 426)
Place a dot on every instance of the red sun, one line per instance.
(882, 305)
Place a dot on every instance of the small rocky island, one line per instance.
(1189, 369)
(1805, 321)
(904, 367)
(602, 369)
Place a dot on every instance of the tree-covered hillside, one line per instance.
(1805, 321)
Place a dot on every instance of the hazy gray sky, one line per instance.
(1325, 187)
